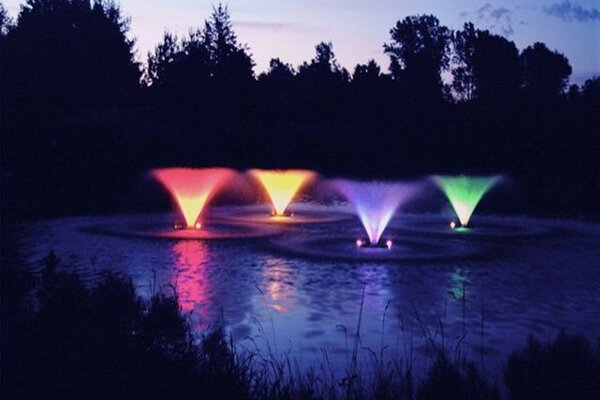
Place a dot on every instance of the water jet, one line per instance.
(464, 194)
(191, 189)
(375, 204)
(281, 187)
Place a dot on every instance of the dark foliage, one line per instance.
(418, 54)
(66, 54)
(496, 69)
(566, 369)
(545, 73)
(445, 381)
(101, 342)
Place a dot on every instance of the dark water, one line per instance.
(298, 288)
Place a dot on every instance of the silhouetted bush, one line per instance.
(446, 381)
(568, 368)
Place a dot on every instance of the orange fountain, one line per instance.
(192, 188)
(282, 185)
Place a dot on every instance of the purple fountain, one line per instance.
(375, 204)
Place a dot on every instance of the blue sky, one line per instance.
(289, 29)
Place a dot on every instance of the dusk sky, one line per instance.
(289, 29)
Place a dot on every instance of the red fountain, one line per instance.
(192, 189)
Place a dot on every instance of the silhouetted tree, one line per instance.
(279, 72)
(163, 60)
(463, 82)
(324, 67)
(68, 54)
(276, 88)
(418, 54)
(322, 83)
(496, 68)
(230, 60)
(590, 96)
(372, 92)
(206, 74)
(179, 73)
(369, 72)
(545, 73)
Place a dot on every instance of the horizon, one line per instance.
(268, 28)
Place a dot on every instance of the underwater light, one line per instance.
(452, 225)
(287, 214)
(360, 243)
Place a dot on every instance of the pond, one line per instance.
(300, 289)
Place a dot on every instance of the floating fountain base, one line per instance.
(285, 214)
(306, 214)
(483, 227)
(178, 226)
(366, 244)
(321, 244)
(158, 226)
(457, 226)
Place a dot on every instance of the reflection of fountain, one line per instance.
(375, 204)
(458, 284)
(279, 287)
(190, 278)
(281, 186)
(464, 193)
(191, 189)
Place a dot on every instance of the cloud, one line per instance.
(501, 12)
(263, 25)
(568, 11)
(493, 18)
(484, 9)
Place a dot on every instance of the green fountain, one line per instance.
(464, 194)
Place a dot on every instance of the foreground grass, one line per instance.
(62, 340)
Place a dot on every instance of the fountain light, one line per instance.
(375, 204)
(281, 187)
(191, 189)
(464, 193)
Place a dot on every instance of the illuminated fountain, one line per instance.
(191, 189)
(464, 193)
(375, 204)
(281, 187)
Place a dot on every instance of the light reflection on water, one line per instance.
(191, 280)
(279, 284)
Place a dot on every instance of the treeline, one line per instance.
(64, 340)
(74, 97)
